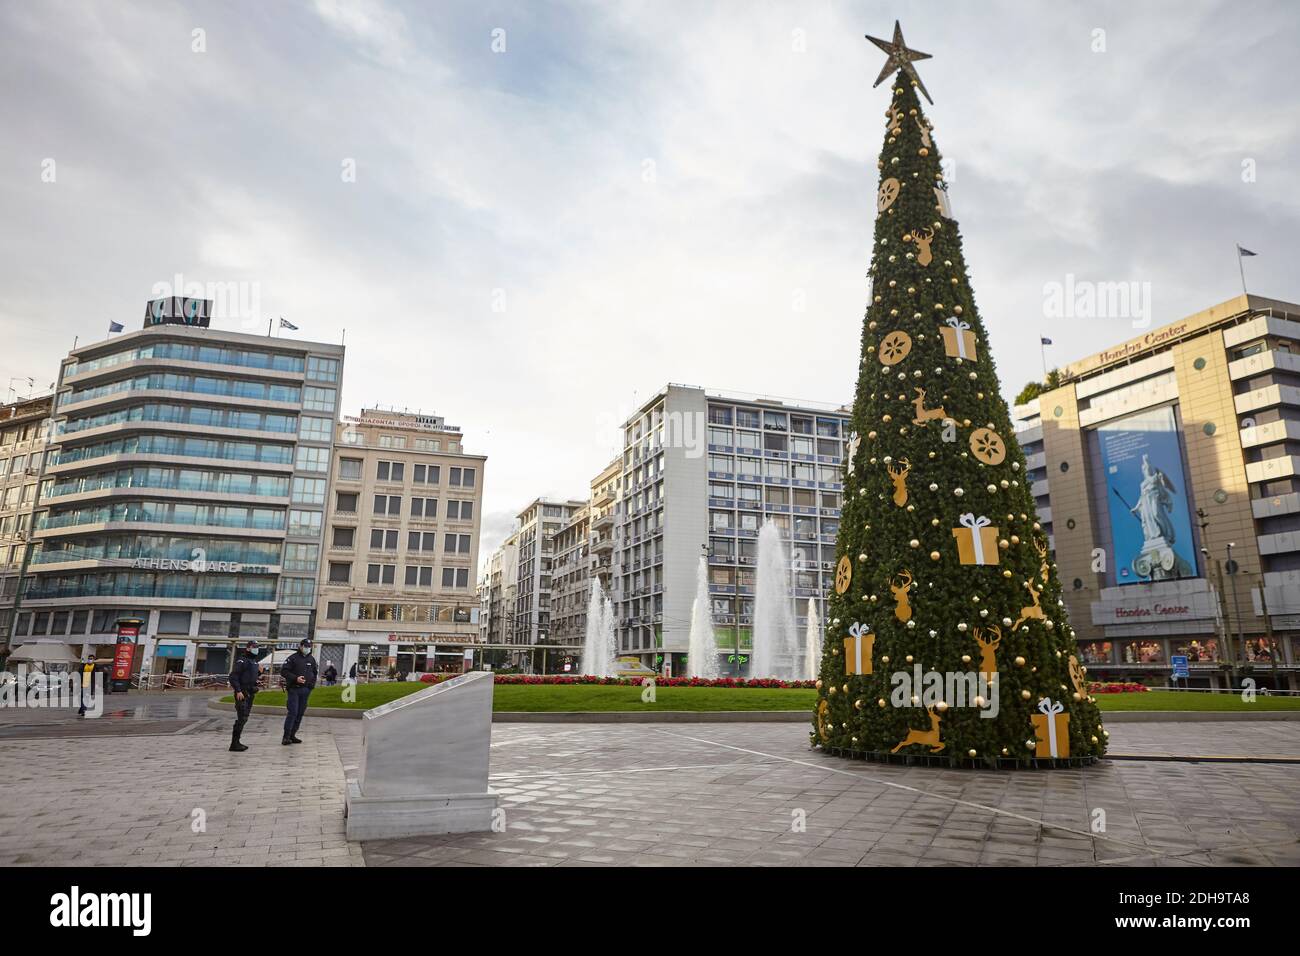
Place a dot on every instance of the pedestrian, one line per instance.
(87, 680)
(243, 678)
(352, 672)
(299, 673)
(331, 675)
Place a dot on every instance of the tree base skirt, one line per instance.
(959, 763)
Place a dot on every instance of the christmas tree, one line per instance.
(947, 640)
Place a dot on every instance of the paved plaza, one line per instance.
(632, 794)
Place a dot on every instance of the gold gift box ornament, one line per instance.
(1051, 729)
(977, 540)
(857, 649)
(958, 339)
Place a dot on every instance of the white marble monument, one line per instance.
(424, 763)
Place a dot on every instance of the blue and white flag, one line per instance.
(286, 324)
(1245, 252)
(115, 327)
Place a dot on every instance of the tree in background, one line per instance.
(947, 637)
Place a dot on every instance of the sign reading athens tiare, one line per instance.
(199, 565)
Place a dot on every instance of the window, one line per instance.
(381, 540)
(305, 523)
(417, 541)
(301, 557)
(390, 470)
(460, 510)
(334, 611)
(311, 428)
(424, 507)
(312, 459)
(419, 576)
(388, 504)
(350, 468)
(428, 444)
(318, 399)
(324, 369)
(298, 592)
(392, 441)
(456, 544)
(381, 573)
(345, 537)
(340, 573)
(347, 502)
(308, 491)
(455, 577)
(428, 474)
(462, 477)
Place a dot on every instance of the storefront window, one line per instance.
(1098, 652)
(1257, 650)
(1199, 650)
(1143, 652)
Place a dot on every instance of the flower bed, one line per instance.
(1127, 688)
(766, 682)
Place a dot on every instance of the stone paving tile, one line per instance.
(645, 795)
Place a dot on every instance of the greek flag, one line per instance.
(286, 324)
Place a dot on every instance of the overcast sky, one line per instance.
(629, 194)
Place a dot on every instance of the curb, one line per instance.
(756, 716)
(572, 716)
(1185, 716)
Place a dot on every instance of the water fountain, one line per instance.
(703, 657)
(812, 643)
(598, 647)
(774, 639)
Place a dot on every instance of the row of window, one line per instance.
(197, 415)
(325, 369)
(756, 468)
(412, 613)
(176, 446)
(395, 471)
(179, 547)
(197, 384)
(778, 421)
(21, 465)
(187, 479)
(755, 442)
(427, 508)
(174, 512)
(387, 540)
(415, 575)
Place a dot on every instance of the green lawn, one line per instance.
(1179, 700)
(599, 697)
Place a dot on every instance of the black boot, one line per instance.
(293, 739)
(235, 745)
(284, 742)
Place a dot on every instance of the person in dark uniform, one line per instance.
(243, 679)
(299, 673)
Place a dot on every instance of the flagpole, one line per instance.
(268, 327)
(1241, 267)
(1042, 350)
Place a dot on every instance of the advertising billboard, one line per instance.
(1147, 497)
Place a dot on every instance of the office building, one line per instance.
(703, 470)
(397, 580)
(185, 486)
(1167, 472)
(24, 431)
(539, 523)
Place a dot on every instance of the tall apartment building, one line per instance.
(497, 594)
(397, 582)
(703, 470)
(1167, 472)
(24, 432)
(184, 485)
(571, 579)
(603, 509)
(538, 525)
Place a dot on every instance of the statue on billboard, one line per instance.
(1155, 502)
(1157, 560)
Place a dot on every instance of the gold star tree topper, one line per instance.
(900, 58)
